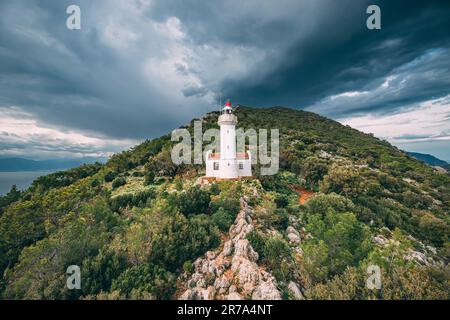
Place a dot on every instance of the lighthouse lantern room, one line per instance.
(228, 164)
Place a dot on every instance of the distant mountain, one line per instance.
(429, 159)
(21, 164)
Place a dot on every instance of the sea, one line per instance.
(22, 179)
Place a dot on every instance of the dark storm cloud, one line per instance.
(76, 80)
(424, 78)
(345, 56)
(139, 68)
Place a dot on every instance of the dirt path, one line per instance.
(303, 194)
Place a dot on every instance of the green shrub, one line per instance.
(222, 219)
(148, 278)
(188, 267)
(100, 271)
(282, 201)
(149, 178)
(138, 174)
(277, 255)
(193, 201)
(139, 199)
(339, 239)
(118, 182)
(110, 176)
(257, 242)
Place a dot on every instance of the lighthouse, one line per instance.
(228, 164)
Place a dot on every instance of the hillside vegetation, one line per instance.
(137, 224)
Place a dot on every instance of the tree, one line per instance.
(343, 179)
(338, 238)
(12, 196)
(162, 165)
(193, 201)
(146, 278)
(277, 255)
(313, 170)
(222, 219)
(100, 271)
(41, 270)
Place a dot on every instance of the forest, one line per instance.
(137, 224)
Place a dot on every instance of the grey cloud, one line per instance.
(138, 69)
(427, 76)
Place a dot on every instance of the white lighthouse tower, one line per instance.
(228, 164)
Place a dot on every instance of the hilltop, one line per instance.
(141, 227)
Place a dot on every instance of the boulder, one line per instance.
(266, 291)
(187, 295)
(293, 235)
(227, 248)
(417, 256)
(295, 290)
(208, 293)
(234, 296)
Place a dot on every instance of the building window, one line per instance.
(216, 166)
(241, 166)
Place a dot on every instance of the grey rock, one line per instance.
(295, 290)
(227, 248)
(266, 291)
(234, 296)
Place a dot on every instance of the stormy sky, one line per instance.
(139, 68)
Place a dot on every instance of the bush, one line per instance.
(101, 270)
(149, 178)
(339, 240)
(343, 179)
(282, 220)
(229, 204)
(110, 176)
(434, 229)
(188, 267)
(193, 201)
(147, 278)
(282, 201)
(257, 242)
(277, 255)
(222, 219)
(137, 174)
(139, 199)
(12, 196)
(118, 182)
(65, 178)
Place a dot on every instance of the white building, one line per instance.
(228, 164)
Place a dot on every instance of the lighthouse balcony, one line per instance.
(227, 118)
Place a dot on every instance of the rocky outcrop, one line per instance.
(294, 289)
(426, 256)
(232, 272)
(293, 235)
